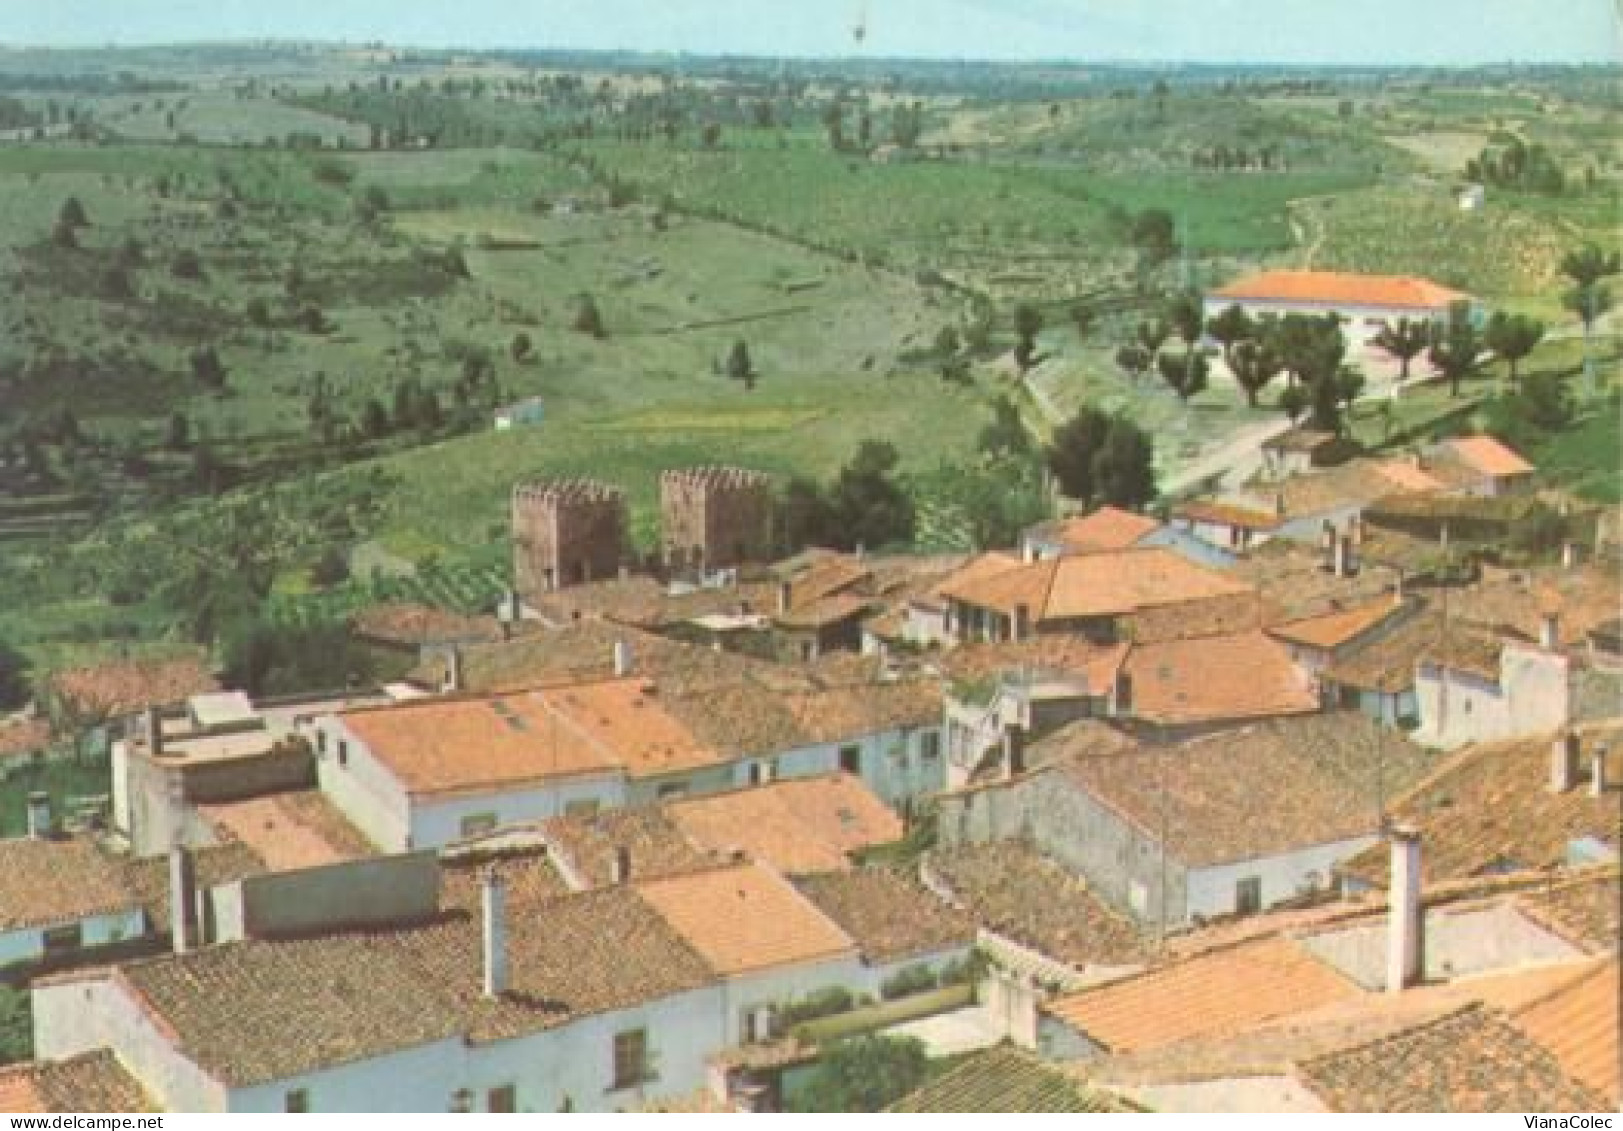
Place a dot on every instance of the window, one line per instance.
(343, 752)
(1248, 896)
(321, 742)
(673, 789)
(757, 1024)
(502, 1100)
(63, 940)
(851, 759)
(630, 1058)
(930, 745)
(296, 1101)
(477, 824)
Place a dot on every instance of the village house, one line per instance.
(94, 1081)
(1096, 595)
(1485, 466)
(1170, 834)
(1365, 303)
(598, 1000)
(519, 414)
(1476, 686)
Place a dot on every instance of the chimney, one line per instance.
(182, 900)
(1597, 772)
(1355, 527)
(1122, 694)
(1549, 631)
(495, 932)
(1020, 623)
(1442, 537)
(1563, 762)
(39, 814)
(1327, 543)
(506, 627)
(154, 732)
(622, 659)
(1279, 504)
(620, 866)
(785, 597)
(1340, 566)
(1014, 750)
(453, 670)
(1397, 590)
(1569, 554)
(1403, 956)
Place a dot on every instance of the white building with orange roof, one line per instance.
(1366, 303)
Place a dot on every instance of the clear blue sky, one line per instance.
(1328, 31)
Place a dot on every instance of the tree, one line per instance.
(1231, 327)
(1513, 337)
(257, 311)
(865, 1074)
(1293, 402)
(587, 320)
(1124, 469)
(1349, 384)
(1071, 451)
(330, 569)
(804, 516)
(16, 1025)
(1082, 319)
(1183, 313)
(710, 135)
(1185, 375)
(371, 204)
(1254, 364)
(1134, 360)
(207, 369)
(738, 365)
(947, 342)
(374, 419)
(72, 213)
(1152, 335)
(65, 235)
(14, 690)
(1406, 339)
(1154, 234)
(1455, 351)
(1006, 433)
(1589, 298)
(180, 430)
(521, 347)
(870, 508)
(186, 265)
(1028, 323)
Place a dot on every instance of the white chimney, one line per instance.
(1020, 623)
(39, 814)
(1549, 631)
(1344, 556)
(1327, 543)
(1597, 772)
(1397, 590)
(620, 866)
(453, 670)
(1355, 527)
(1403, 956)
(622, 659)
(785, 597)
(1569, 554)
(495, 933)
(1014, 750)
(182, 900)
(1563, 762)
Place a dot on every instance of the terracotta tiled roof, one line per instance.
(23, 738)
(1095, 585)
(92, 1081)
(1246, 675)
(1213, 995)
(1406, 476)
(890, 916)
(1009, 888)
(1006, 1080)
(1489, 456)
(1293, 582)
(147, 877)
(835, 713)
(46, 882)
(1579, 1025)
(1075, 656)
(1337, 288)
(1490, 807)
(585, 847)
(257, 1011)
(1472, 1060)
(823, 575)
(1466, 650)
(1318, 777)
(978, 569)
(126, 687)
(405, 623)
(1108, 528)
(1228, 514)
(1355, 483)
(825, 610)
(644, 602)
(527, 873)
(1333, 629)
(1513, 602)
(745, 918)
(1587, 911)
(479, 744)
(1387, 663)
(299, 829)
(798, 825)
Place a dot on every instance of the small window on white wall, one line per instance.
(1138, 897)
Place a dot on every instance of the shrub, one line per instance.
(819, 1003)
(908, 980)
